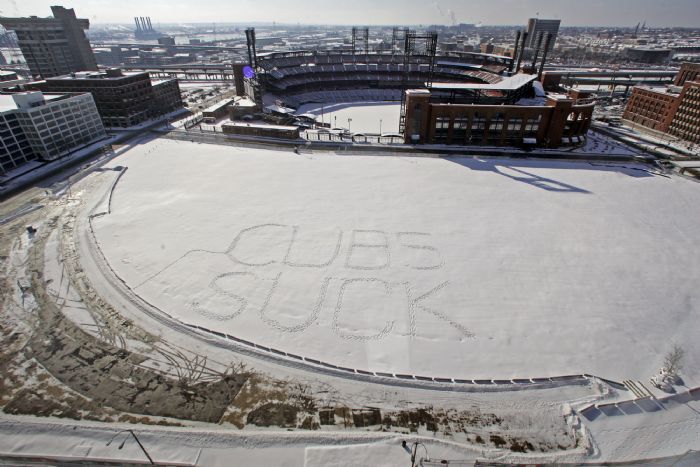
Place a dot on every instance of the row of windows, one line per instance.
(15, 162)
(480, 127)
(480, 122)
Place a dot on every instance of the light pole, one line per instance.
(413, 451)
(137, 441)
(380, 127)
(335, 121)
(349, 120)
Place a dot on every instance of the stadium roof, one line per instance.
(509, 84)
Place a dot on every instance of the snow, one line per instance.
(463, 268)
(646, 429)
(365, 115)
(90, 442)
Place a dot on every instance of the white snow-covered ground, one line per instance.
(365, 116)
(211, 446)
(646, 429)
(465, 268)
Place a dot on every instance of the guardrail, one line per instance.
(646, 404)
(514, 382)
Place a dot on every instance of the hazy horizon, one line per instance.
(657, 13)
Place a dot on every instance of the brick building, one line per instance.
(512, 112)
(651, 108)
(558, 122)
(672, 111)
(686, 121)
(688, 72)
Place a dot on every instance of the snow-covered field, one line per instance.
(465, 268)
(365, 116)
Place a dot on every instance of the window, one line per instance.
(496, 123)
(442, 126)
(533, 124)
(459, 129)
(514, 124)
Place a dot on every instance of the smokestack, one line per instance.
(544, 55)
(540, 36)
(522, 50)
(515, 52)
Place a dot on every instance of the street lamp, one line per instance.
(380, 127)
(349, 120)
(137, 441)
(414, 451)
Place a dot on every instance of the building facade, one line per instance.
(688, 72)
(651, 108)
(535, 26)
(15, 149)
(166, 96)
(122, 99)
(648, 55)
(669, 110)
(559, 122)
(53, 46)
(34, 125)
(686, 121)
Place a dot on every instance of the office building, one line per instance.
(53, 46)
(123, 99)
(34, 125)
(166, 96)
(535, 26)
(674, 110)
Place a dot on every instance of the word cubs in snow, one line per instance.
(368, 250)
(271, 253)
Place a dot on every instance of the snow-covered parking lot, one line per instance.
(462, 268)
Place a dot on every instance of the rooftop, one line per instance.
(509, 84)
(218, 105)
(101, 75)
(9, 101)
(259, 125)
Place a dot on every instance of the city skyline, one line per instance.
(664, 13)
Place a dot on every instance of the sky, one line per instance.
(369, 12)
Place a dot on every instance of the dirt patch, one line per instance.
(274, 414)
(366, 417)
(114, 377)
(255, 392)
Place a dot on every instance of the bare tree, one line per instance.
(673, 362)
